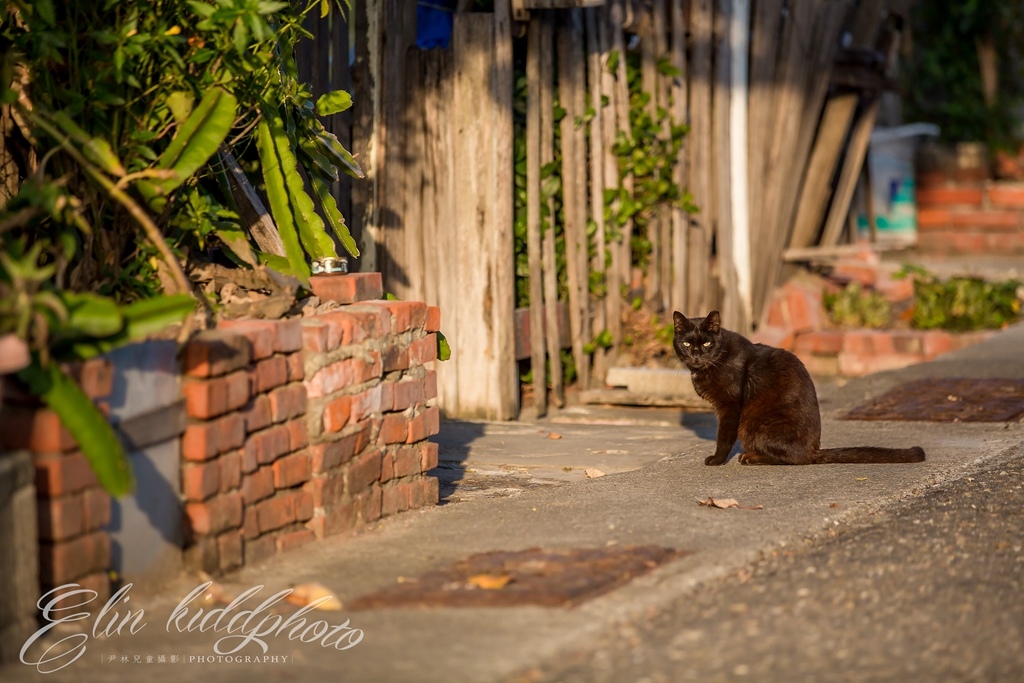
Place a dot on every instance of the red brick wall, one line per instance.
(71, 507)
(297, 429)
(969, 215)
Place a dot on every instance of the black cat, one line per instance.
(765, 397)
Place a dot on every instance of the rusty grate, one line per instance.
(948, 400)
(550, 578)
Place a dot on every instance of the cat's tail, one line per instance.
(869, 454)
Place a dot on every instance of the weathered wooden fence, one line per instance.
(434, 129)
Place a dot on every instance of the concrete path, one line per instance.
(512, 487)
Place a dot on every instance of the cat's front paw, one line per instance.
(715, 460)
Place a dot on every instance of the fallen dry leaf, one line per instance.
(490, 582)
(307, 593)
(553, 435)
(593, 473)
(724, 503)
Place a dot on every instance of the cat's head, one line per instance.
(698, 342)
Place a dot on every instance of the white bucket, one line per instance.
(891, 164)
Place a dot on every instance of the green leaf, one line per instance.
(97, 150)
(236, 240)
(90, 315)
(201, 9)
(312, 233)
(193, 145)
(334, 217)
(613, 61)
(141, 319)
(270, 7)
(180, 103)
(333, 103)
(84, 421)
(277, 191)
(444, 351)
(44, 8)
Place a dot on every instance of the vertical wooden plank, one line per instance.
(720, 152)
(680, 173)
(597, 165)
(617, 14)
(817, 188)
(533, 228)
(366, 130)
(739, 42)
(572, 97)
(502, 238)
(410, 282)
(852, 163)
(650, 81)
(701, 166)
(610, 261)
(443, 284)
(545, 67)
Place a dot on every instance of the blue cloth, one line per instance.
(433, 26)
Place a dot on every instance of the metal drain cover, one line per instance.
(948, 400)
(549, 578)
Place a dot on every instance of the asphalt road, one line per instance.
(930, 590)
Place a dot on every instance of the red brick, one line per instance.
(853, 271)
(200, 481)
(204, 440)
(304, 508)
(327, 456)
(345, 373)
(298, 434)
(394, 428)
(66, 561)
(325, 491)
(971, 174)
(215, 515)
(367, 505)
(250, 525)
(424, 424)
(208, 398)
(38, 430)
(948, 196)
(425, 493)
(60, 518)
(362, 435)
(229, 546)
(933, 218)
(407, 461)
(407, 393)
(230, 470)
(404, 315)
(269, 444)
(291, 470)
(337, 520)
(822, 343)
(347, 289)
(259, 549)
(337, 412)
(396, 498)
(907, 341)
(778, 337)
(95, 377)
(257, 413)
(97, 509)
(935, 343)
(896, 289)
(363, 472)
(289, 335)
(98, 581)
(396, 357)
(387, 466)
(287, 402)
(351, 326)
(433, 319)
(857, 365)
(315, 336)
(296, 372)
(260, 333)
(269, 373)
(275, 512)
(215, 352)
(1006, 194)
(369, 402)
(58, 475)
(258, 485)
(294, 539)
(965, 339)
(430, 385)
(423, 350)
(429, 456)
(804, 307)
(987, 220)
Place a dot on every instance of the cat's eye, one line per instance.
(706, 344)
(686, 344)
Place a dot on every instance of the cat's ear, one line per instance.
(682, 324)
(712, 323)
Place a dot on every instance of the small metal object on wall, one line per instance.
(330, 265)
